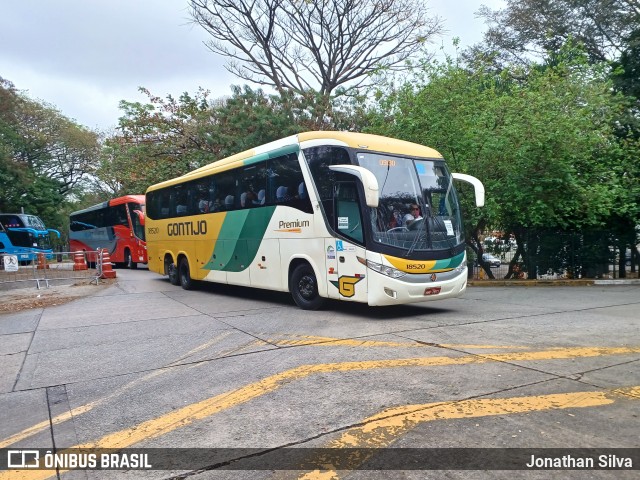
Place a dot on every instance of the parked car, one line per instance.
(493, 261)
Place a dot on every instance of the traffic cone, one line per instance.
(42, 262)
(78, 261)
(107, 269)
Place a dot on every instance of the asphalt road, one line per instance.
(240, 372)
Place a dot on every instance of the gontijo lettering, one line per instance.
(187, 228)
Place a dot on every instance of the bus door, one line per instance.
(351, 282)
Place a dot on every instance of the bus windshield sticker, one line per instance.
(343, 223)
(449, 227)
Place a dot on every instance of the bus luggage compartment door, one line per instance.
(351, 282)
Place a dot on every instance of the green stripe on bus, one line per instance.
(239, 239)
(448, 263)
(278, 152)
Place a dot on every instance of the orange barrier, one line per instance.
(42, 262)
(107, 269)
(78, 262)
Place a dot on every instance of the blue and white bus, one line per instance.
(25, 236)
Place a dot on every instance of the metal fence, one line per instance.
(52, 269)
(552, 254)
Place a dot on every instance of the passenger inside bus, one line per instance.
(204, 205)
(302, 191)
(248, 199)
(282, 194)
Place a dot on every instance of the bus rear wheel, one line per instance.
(303, 286)
(185, 275)
(172, 271)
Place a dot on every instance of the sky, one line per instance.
(84, 56)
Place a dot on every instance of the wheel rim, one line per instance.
(307, 286)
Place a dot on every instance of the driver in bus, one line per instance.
(413, 215)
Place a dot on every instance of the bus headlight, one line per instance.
(462, 265)
(388, 271)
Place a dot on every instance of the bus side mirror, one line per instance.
(368, 179)
(140, 216)
(477, 186)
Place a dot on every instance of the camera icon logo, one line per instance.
(23, 459)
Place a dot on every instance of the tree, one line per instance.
(540, 139)
(38, 137)
(169, 137)
(44, 156)
(301, 45)
(536, 27)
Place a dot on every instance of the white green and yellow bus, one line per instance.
(322, 215)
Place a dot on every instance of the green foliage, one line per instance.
(540, 138)
(169, 137)
(44, 156)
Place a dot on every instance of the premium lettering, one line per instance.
(187, 228)
(295, 224)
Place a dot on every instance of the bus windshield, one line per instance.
(418, 208)
(31, 221)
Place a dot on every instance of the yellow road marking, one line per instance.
(305, 340)
(75, 412)
(330, 342)
(384, 428)
(187, 415)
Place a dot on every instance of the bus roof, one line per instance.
(294, 143)
(111, 203)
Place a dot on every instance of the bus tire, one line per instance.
(185, 275)
(172, 271)
(128, 260)
(303, 286)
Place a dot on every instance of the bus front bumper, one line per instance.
(385, 290)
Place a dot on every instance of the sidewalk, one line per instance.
(583, 282)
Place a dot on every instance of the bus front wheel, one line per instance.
(303, 286)
(185, 275)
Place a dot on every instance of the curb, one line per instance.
(551, 283)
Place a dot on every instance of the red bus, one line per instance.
(117, 225)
